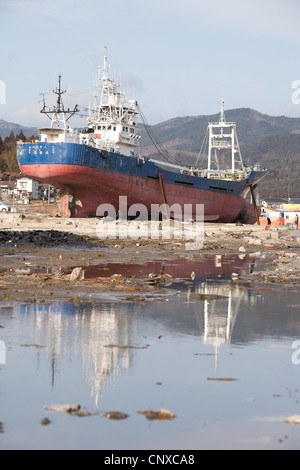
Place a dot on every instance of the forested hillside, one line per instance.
(280, 154)
(8, 154)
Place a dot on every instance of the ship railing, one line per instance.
(72, 135)
(211, 174)
(254, 168)
(237, 175)
(171, 165)
(221, 145)
(223, 124)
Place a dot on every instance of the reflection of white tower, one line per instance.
(2, 353)
(219, 320)
(100, 336)
(104, 353)
(219, 315)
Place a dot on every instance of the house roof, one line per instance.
(270, 200)
(15, 175)
(294, 201)
(7, 183)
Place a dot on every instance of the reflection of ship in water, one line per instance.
(221, 304)
(97, 336)
(101, 336)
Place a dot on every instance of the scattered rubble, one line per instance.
(158, 279)
(223, 379)
(126, 346)
(118, 415)
(283, 269)
(292, 419)
(42, 239)
(74, 410)
(77, 274)
(207, 297)
(44, 264)
(45, 422)
(161, 415)
(62, 408)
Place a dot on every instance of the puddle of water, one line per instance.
(215, 267)
(133, 356)
(194, 270)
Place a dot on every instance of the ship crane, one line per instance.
(222, 140)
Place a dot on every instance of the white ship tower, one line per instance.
(223, 145)
(112, 123)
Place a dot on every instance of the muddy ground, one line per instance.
(43, 257)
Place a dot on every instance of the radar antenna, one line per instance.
(59, 108)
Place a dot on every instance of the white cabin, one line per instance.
(58, 135)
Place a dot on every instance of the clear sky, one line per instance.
(175, 57)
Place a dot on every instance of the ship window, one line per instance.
(132, 130)
(115, 128)
(123, 128)
(126, 129)
(109, 128)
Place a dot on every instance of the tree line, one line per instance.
(8, 153)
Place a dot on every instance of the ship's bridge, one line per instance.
(58, 135)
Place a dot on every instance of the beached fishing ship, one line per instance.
(100, 163)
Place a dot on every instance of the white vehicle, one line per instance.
(4, 207)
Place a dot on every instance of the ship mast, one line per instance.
(110, 105)
(113, 119)
(58, 112)
(222, 140)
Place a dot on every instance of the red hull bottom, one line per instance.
(90, 188)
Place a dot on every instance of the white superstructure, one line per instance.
(112, 123)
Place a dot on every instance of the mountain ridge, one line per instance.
(7, 127)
